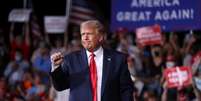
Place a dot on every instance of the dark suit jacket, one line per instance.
(74, 74)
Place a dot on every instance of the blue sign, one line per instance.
(171, 15)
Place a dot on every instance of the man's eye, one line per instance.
(89, 33)
(86, 33)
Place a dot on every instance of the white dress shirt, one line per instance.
(99, 67)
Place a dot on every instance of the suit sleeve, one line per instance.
(60, 76)
(126, 84)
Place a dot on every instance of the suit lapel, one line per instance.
(106, 69)
(84, 65)
(84, 59)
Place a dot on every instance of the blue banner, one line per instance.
(171, 15)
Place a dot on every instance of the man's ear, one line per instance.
(101, 38)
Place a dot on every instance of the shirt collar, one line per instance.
(97, 53)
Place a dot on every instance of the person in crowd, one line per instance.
(3, 53)
(20, 41)
(3, 89)
(41, 58)
(16, 68)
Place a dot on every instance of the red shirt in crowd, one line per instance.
(24, 47)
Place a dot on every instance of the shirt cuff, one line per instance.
(54, 67)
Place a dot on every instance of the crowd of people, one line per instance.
(25, 63)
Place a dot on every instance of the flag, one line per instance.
(81, 10)
(35, 27)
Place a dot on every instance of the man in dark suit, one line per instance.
(93, 73)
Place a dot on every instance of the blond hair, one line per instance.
(94, 24)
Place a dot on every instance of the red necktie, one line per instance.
(93, 76)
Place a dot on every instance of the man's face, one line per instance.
(91, 40)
